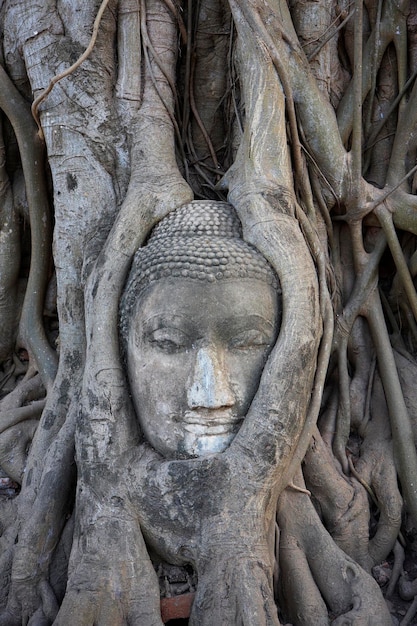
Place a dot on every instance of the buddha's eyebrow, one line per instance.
(154, 322)
(248, 322)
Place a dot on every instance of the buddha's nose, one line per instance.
(209, 385)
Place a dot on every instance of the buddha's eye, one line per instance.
(168, 340)
(252, 338)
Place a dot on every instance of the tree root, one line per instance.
(7, 539)
(376, 467)
(12, 369)
(407, 588)
(32, 155)
(15, 416)
(30, 388)
(20, 411)
(342, 503)
(404, 449)
(9, 260)
(412, 610)
(14, 445)
(399, 557)
(350, 593)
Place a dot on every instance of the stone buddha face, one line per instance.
(195, 355)
(196, 342)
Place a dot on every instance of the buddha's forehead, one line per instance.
(203, 304)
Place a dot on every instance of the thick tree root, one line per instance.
(351, 595)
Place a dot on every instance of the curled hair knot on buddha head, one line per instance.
(201, 241)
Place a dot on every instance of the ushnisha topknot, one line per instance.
(201, 240)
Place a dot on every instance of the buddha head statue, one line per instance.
(199, 316)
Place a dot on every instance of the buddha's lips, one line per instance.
(210, 421)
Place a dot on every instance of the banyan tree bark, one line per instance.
(224, 100)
